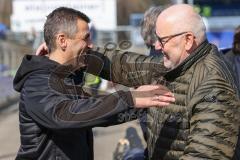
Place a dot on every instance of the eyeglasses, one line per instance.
(164, 40)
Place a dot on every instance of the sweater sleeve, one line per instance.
(214, 123)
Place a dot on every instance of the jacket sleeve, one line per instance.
(56, 110)
(214, 123)
(126, 68)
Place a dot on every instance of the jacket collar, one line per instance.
(199, 52)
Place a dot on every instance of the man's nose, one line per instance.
(158, 45)
(90, 45)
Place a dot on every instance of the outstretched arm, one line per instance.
(126, 68)
(57, 110)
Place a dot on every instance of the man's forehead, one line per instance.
(162, 28)
(83, 28)
(165, 24)
(82, 24)
(161, 21)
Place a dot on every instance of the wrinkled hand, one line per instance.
(152, 95)
(42, 50)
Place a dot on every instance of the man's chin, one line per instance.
(167, 63)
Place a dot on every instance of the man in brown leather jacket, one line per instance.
(204, 121)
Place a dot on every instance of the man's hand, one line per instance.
(152, 95)
(42, 50)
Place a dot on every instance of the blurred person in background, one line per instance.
(233, 56)
(3, 31)
(56, 116)
(93, 83)
(148, 29)
(130, 147)
(148, 33)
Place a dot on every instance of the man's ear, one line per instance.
(61, 41)
(190, 40)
